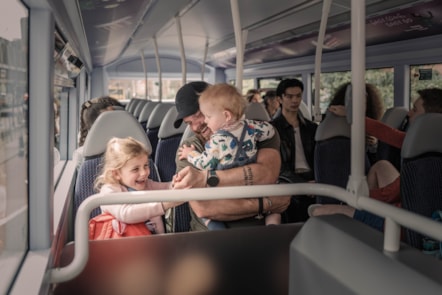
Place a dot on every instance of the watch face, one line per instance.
(213, 179)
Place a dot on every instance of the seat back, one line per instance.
(138, 108)
(395, 117)
(421, 171)
(133, 105)
(256, 111)
(332, 161)
(154, 123)
(145, 113)
(108, 125)
(169, 139)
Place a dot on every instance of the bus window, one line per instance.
(13, 139)
(382, 78)
(424, 76)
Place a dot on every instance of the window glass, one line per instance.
(383, 79)
(424, 76)
(13, 139)
(125, 89)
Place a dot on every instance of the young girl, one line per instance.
(126, 168)
(234, 139)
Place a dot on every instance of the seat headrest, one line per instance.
(157, 115)
(256, 111)
(167, 129)
(146, 111)
(186, 134)
(423, 136)
(394, 116)
(332, 126)
(305, 111)
(113, 124)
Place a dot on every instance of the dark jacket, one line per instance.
(286, 133)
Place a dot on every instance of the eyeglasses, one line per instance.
(290, 96)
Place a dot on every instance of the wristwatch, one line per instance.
(212, 178)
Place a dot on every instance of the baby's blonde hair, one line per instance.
(226, 97)
(118, 152)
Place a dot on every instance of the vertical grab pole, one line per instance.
(318, 58)
(145, 73)
(357, 184)
(203, 65)
(183, 55)
(160, 78)
(240, 43)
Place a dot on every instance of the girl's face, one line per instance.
(134, 173)
(215, 118)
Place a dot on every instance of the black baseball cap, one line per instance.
(186, 100)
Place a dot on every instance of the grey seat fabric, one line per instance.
(133, 105)
(146, 112)
(154, 123)
(421, 172)
(256, 111)
(108, 125)
(139, 107)
(395, 117)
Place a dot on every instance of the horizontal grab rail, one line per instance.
(393, 214)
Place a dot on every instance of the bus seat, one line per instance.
(133, 105)
(181, 214)
(395, 117)
(139, 107)
(169, 139)
(108, 125)
(421, 171)
(332, 154)
(257, 111)
(156, 264)
(128, 106)
(335, 254)
(145, 113)
(154, 123)
(305, 111)
(332, 150)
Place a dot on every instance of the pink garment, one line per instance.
(385, 133)
(136, 213)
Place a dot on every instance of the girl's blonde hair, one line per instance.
(226, 97)
(118, 152)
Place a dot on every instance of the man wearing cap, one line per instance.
(238, 212)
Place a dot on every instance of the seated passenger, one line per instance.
(233, 141)
(126, 168)
(297, 146)
(90, 110)
(374, 109)
(272, 104)
(233, 212)
(383, 178)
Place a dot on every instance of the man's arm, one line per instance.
(264, 171)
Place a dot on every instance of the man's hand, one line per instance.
(189, 177)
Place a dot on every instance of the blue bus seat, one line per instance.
(395, 117)
(421, 172)
(169, 139)
(108, 125)
(154, 123)
(145, 113)
(333, 154)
